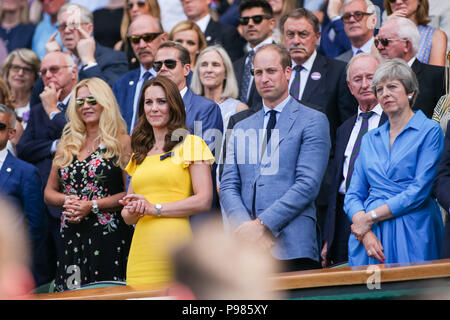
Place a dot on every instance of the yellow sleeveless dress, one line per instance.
(162, 181)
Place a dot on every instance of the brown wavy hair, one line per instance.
(143, 139)
(421, 12)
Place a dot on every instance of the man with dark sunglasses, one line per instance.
(215, 32)
(399, 38)
(203, 116)
(21, 183)
(38, 142)
(145, 34)
(257, 23)
(359, 18)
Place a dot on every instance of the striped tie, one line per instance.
(295, 86)
(355, 152)
(246, 77)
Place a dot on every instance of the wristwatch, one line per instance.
(158, 207)
(373, 215)
(94, 206)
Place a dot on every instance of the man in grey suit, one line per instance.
(359, 18)
(265, 200)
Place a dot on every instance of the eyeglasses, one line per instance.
(140, 4)
(385, 41)
(3, 126)
(89, 99)
(392, 1)
(358, 15)
(256, 19)
(52, 69)
(147, 37)
(169, 63)
(71, 26)
(17, 68)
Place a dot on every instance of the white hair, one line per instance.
(406, 29)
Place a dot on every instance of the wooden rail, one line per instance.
(283, 281)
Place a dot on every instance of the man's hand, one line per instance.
(52, 45)
(323, 255)
(334, 8)
(255, 232)
(86, 47)
(49, 98)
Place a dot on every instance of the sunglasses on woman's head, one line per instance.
(147, 37)
(140, 4)
(256, 19)
(89, 99)
(169, 63)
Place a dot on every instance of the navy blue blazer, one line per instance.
(124, 89)
(37, 139)
(337, 166)
(21, 183)
(226, 35)
(442, 181)
(111, 65)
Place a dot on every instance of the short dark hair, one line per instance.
(300, 13)
(263, 4)
(183, 54)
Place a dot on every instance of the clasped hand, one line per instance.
(75, 209)
(362, 223)
(137, 204)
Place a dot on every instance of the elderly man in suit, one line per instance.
(359, 18)
(215, 32)
(399, 38)
(146, 34)
(21, 183)
(47, 120)
(442, 191)
(370, 115)
(203, 116)
(275, 162)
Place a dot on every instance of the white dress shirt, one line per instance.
(137, 93)
(3, 154)
(203, 22)
(374, 121)
(304, 73)
(366, 47)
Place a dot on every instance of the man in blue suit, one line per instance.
(275, 163)
(360, 71)
(47, 120)
(21, 183)
(146, 34)
(203, 116)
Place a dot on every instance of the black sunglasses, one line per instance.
(140, 4)
(384, 41)
(169, 63)
(358, 15)
(147, 37)
(256, 19)
(3, 126)
(89, 99)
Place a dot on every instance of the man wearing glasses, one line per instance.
(359, 18)
(145, 34)
(215, 32)
(399, 38)
(20, 182)
(38, 143)
(257, 25)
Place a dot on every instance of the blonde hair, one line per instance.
(230, 87)
(126, 21)
(111, 126)
(28, 57)
(24, 14)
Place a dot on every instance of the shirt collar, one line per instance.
(203, 22)
(268, 40)
(377, 109)
(183, 91)
(142, 70)
(3, 154)
(410, 62)
(308, 63)
(278, 108)
(66, 99)
(366, 47)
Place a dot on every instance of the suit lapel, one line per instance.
(187, 100)
(7, 170)
(319, 66)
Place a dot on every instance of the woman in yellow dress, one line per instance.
(170, 180)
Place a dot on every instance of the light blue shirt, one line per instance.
(42, 33)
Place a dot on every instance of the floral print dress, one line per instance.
(96, 249)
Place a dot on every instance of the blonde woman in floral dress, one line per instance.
(87, 182)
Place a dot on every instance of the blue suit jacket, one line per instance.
(21, 183)
(35, 144)
(124, 89)
(282, 193)
(337, 166)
